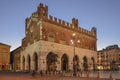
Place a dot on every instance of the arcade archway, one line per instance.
(76, 62)
(29, 62)
(35, 59)
(51, 61)
(64, 62)
(23, 61)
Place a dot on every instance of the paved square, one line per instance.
(28, 76)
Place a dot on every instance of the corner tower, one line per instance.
(42, 11)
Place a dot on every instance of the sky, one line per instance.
(102, 14)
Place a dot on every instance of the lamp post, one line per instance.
(74, 63)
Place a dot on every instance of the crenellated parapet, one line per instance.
(57, 21)
(71, 26)
(42, 13)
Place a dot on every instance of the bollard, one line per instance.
(110, 75)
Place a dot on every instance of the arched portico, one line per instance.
(51, 60)
(64, 62)
(23, 62)
(35, 60)
(85, 63)
(93, 62)
(76, 62)
(29, 62)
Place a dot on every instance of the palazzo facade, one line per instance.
(51, 44)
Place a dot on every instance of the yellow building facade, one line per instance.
(109, 58)
(4, 57)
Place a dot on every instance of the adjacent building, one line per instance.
(15, 59)
(4, 57)
(109, 58)
(54, 44)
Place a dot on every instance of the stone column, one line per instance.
(42, 64)
(26, 65)
(58, 64)
(70, 64)
(39, 63)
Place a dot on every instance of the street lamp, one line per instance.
(74, 63)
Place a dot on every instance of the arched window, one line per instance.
(51, 37)
(62, 38)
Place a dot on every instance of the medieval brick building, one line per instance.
(51, 44)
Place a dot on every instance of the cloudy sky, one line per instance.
(103, 14)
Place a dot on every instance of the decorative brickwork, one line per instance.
(48, 36)
(57, 27)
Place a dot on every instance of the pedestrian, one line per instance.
(33, 73)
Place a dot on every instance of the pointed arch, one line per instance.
(85, 63)
(76, 62)
(35, 59)
(51, 59)
(64, 62)
(93, 61)
(23, 61)
(29, 62)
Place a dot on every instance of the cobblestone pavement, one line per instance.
(27, 76)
